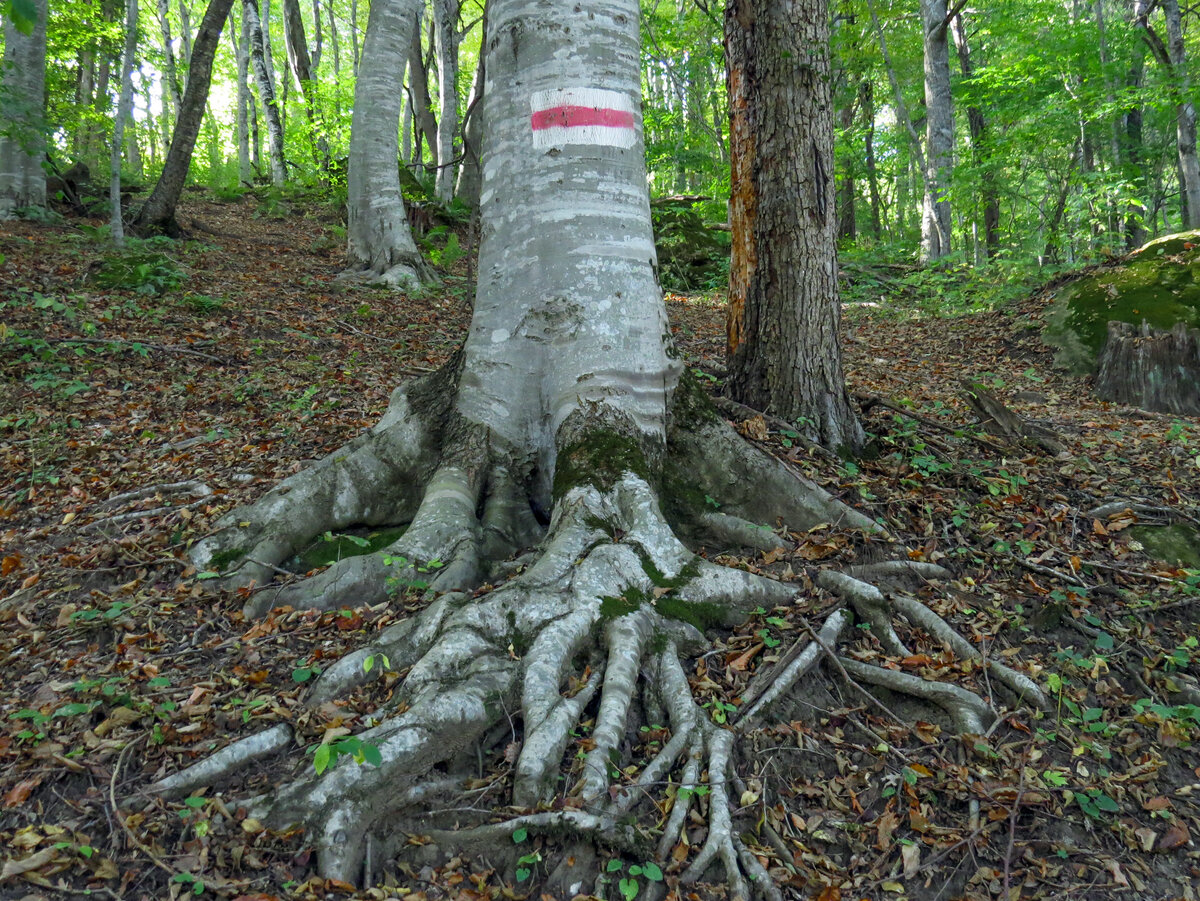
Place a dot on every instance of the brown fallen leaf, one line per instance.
(20, 792)
(1176, 836)
(14, 868)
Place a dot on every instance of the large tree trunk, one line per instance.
(265, 82)
(158, 213)
(939, 132)
(554, 426)
(22, 95)
(445, 17)
(380, 242)
(784, 310)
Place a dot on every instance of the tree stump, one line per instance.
(1151, 369)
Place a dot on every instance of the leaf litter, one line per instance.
(120, 663)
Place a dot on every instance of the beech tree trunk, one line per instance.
(380, 241)
(22, 96)
(265, 82)
(936, 220)
(1173, 58)
(445, 17)
(301, 65)
(418, 87)
(124, 102)
(989, 195)
(240, 39)
(784, 309)
(470, 173)
(158, 213)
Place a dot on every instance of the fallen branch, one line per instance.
(149, 345)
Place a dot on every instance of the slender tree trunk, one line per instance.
(237, 38)
(1132, 146)
(83, 97)
(354, 33)
(22, 95)
(847, 220)
(266, 91)
(158, 213)
(318, 38)
(1173, 58)
(334, 43)
(379, 238)
(866, 103)
(418, 86)
(302, 69)
(124, 101)
(470, 173)
(185, 37)
(784, 310)
(939, 132)
(170, 73)
(445, 15)
(989, 194)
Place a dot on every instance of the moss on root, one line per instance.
(222, 559)
(599, 459)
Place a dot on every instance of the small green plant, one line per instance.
(139, 270)
(526, 862)
(1094, 802)
(327, 754)
(628, 885)
(369, 662)
(195, 882)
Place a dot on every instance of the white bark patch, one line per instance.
(585, 116)
(499, 336)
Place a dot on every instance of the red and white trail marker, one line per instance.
(582, 116)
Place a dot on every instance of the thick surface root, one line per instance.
(596, 630)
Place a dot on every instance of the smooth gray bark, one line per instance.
(265, 81)
(939, 131)
(379, 238)
(445, 17)
(1172, 56)
(470, 173)
(22, 141)
(124, 101)
(239, 38)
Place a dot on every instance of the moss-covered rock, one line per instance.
(1158, 283)
(1178, 545)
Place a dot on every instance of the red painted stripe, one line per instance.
(568, 116)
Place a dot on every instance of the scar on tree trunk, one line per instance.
(599, 622)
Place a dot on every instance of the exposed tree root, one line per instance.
(598, 627)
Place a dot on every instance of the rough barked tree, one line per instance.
(22, 94)
(158, 212)
(380, 243)
(566, 398)
(784, 310)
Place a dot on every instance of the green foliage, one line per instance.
(140, 269)
(327, 754)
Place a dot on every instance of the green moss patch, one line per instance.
(1158, 284)
(1178, 544)
(599, 459)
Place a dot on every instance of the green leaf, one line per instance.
(519, 835)
(371, 754)
(321, 759)
(1104, 802)
(629, 888)
(1104, 641)
(194, 802)
(24, 15)
(522, 873)
(208, 574)
(613, 866)
(368, 663)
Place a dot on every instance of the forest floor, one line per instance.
(135, 384)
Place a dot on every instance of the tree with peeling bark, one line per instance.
(22, 94)
(380, 243)
(784, 310)
(559, 455)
